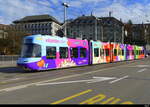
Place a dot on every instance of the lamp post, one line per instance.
(122, 34)
(65, 14)
(96, 28)
(96, 31)
(102, 38)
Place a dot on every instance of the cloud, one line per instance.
(136, 12)
(1, 20)
(93, 1)
(75, 3)
(20, 8)
(126, 9)
(55, 2)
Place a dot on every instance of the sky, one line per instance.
(136, 10)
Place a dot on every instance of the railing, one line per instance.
(8, 60)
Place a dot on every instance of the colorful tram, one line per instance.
(44, 52)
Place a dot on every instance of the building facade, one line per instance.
(137, 34)
(38, 24)
(107, 29)
(147, 33)
(10, 40)
(113, 30)
(3, 31)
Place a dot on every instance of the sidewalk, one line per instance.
(7, 64)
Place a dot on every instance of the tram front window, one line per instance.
(31, 50)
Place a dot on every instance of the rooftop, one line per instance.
(90, 19)
(35, 18)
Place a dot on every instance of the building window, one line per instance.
(51, 52)
(35, 26)
(63, 52)
(1, 35)
(25, 26)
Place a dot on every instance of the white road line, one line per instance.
(56, 79)
(10, 80)
(142, 70)
(93, 80)
(119, 79)
(142, 66)
(15, 88)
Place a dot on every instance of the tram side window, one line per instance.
(107, 52)
(122, 52)
(137, 52)
(96, 52)
(132, 52)
(82, 52)
(51, 52)
(115, 52)
(74, 52)
(63, 52)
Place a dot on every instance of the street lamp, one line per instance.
(96, 31)
(65, 9)
(123, 34)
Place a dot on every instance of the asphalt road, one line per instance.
(114, 83)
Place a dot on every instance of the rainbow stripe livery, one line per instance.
(44, 52)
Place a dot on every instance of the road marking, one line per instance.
(93, 80)
(10, 80)
(108, 100)
(142, 70)
(76, 75)
(14, 88)
(99, 79)
(94, 99)
(140, 66)
(102, 99)
(119, 79)
(65, 77)
(115, 101)
(127, 102)
(99, 99)
(71, 97)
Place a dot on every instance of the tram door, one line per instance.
(50, 56)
